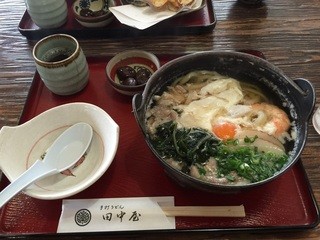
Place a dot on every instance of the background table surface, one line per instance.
(287, 32)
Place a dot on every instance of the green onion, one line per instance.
(194, 146)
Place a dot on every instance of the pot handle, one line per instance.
(136, 105)
(308, 97)
(137, 101)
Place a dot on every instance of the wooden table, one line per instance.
(287, 32)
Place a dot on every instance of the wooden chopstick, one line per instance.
(204, 211)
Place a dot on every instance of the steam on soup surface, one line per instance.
(218, 129)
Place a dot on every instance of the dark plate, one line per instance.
(197, 22)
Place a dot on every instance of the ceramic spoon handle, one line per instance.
(37, 171)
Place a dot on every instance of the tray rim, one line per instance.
(206, 230)
(124, 31)
(298, 164)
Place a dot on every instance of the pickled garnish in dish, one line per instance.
(132, 76)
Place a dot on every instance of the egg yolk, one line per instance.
(224, 130)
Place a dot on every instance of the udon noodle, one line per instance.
(204, 122)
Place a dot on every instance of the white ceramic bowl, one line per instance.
(95, 6)
(21, 146)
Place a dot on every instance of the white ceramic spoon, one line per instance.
(65, 151)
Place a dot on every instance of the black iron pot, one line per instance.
(296, 97)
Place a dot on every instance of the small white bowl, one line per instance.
(95, 6)
(22, 145)
(132, 58)
(316, 120)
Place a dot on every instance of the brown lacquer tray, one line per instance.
(283, 204)
(197, 22)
